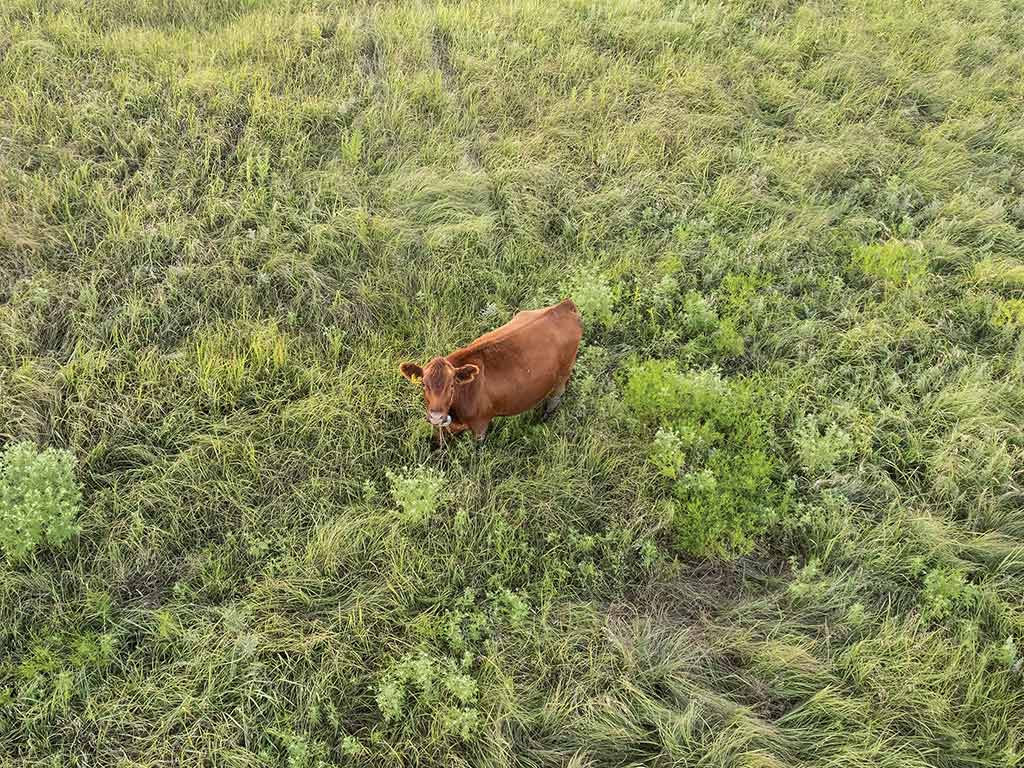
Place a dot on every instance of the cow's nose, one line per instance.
(435, 417)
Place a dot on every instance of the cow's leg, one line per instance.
(550, 406)
(553, 400)
(479, 430)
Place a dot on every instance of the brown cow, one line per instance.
(508, 371)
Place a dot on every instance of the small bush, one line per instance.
(1006, 655)
(945, 592)
(416, 491)
(808, 582)
(665, 291)
(656, 391)
(897, 262)
(727, 341)
(437, 686)
(1009, 314)
(594, 297)
(999, 272)
(820, 449)
(738, 295)
(698, 314)
(711, 427)
(856, 615)
(668, 452)
(710, 337)
(352, 747)
(39, 498)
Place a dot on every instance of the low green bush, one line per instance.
(1009, 314)
(39, 498)
(999, 272)
(730, 489)
(416, 491)
(897, 262)
(440, 687)
(820, 447)
(594, 297)
(945, 593)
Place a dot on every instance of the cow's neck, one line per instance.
(460, 402)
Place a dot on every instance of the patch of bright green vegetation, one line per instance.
(777, 519)
(1000, 273)
(38, 498)
(1009, 313)
(896, 262)
(712, 443)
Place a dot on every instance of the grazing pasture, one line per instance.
(778, 519)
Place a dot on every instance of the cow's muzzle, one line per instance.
(438, 420)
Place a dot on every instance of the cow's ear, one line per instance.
(411, 371)
(466, 373)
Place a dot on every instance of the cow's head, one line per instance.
(440, 380)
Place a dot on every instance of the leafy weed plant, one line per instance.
(732, 489)
(417, 491)
(39, 498)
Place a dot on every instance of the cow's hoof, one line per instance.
(549, 408)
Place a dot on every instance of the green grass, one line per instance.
(224, 225)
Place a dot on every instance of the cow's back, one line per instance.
(526, 359)
(518, 321)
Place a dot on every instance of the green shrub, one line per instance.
(710, 337)
(416, 491)
(1006, 655)
(710, 426)
(945, 593)
(897, 262)
(808, 582)
(39, 498)
(738, 295)
(352, 747)
(668, 452)
(300, 753)
(698, 314)
(665, 291)
(435, 686)
(594, 297)
(1009, 313)
(727, 341)
(657, 393)
(818, 448)
(723, 506)
(856, 615)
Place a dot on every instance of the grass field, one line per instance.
(779, 518)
